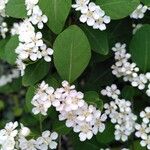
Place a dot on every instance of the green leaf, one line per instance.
(146, 2)
(118, 9)
(57, 12)
(86, 145)
(11, 87)
(10, 47)
(108, 135)
(98, 40)
(140, 48)
(92, 98)
(72, 53)
(16, 9)
(128, 92)
(29, 95)
(61, 128)
(137, 146)
(35, 72)
(52, 81)
(3, 42)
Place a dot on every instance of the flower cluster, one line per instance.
(139, 12)
(129, 71)
(12, 138)
(31, 45)
(143, 129)
(91, 14)
(83, 118)
(120, 113)
(3, 29)
(2, 7)
(5, 79)
(35, 14)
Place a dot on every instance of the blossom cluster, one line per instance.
(2, 7)
(129, 71)
(143, 129)
(12, 138)
(139, 12)
(83, 118)
(31, 45)
(91, 14)
(120, 113)
(5, 79)
(3, 29)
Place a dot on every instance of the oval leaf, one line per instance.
(35, 72)
(118, 9)
(103, 138)
(16, 9)
(92, 98)
(140, 48)
(10, 47)
(146, 2)
(57, 12)
(98, 40)
(72, 53)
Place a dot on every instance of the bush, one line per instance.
(74, 74)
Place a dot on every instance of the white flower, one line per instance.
(120, 113)
(37, 17)
(46, 53)
(111, 91)
(139, 12)
(21, 66)
(47, 140)
(146, 142)
(145, 115)
(15, 29)
(24, 131)
(2, 7)
(142, 130)
(5, 79)
(25, 144)
(43, 99)
(30, 5)
(31, 46)
(81, 5)
(8, 144)
(3, 29)
(93, 15)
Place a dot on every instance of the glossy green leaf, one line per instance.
(92, 98)
(35, 72)
(60, 128)
(146, 2)
(10, 47)
(108, 135)
(140, 48)
(16, 9)
(57, 12)
(128, 93)
(14, 86)
(72, 53)
(118, 9)
(137, 146)
(2, 48)
(98, 40)
(29, 95)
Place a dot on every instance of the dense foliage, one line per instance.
(74, 74)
